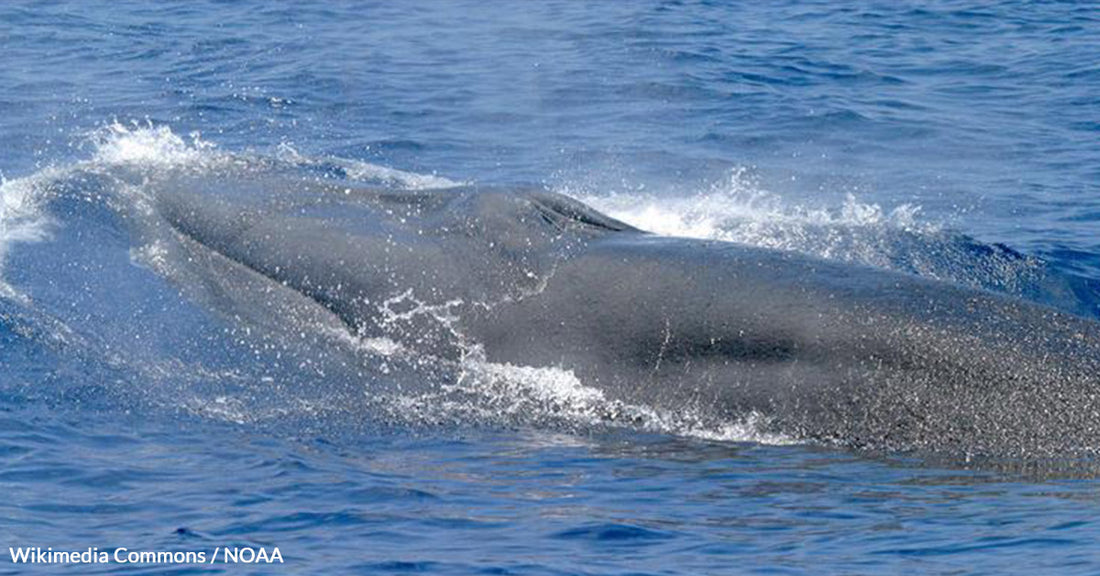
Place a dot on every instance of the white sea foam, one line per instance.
(21, 218)
(739, 209)
(150, 146)
(558, 392)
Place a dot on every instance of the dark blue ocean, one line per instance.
(956, 140)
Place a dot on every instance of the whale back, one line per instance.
(824, 350)
(393, 262)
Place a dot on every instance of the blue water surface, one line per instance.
(952, 139)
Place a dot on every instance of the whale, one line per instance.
(825, 351)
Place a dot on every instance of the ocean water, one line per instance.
(948, 139)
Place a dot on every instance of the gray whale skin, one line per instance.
(822, 350)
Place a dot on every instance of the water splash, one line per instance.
(739, 209)
(21, 217)
(480, 392)
(148, 146)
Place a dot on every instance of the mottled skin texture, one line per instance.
(826, 350)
